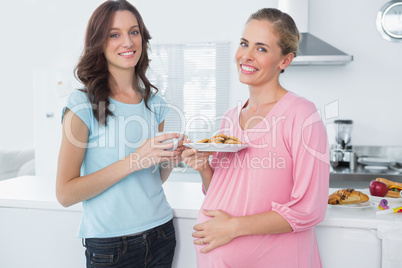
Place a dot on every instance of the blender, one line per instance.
(341, 153)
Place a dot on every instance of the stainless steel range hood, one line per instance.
(312, 50)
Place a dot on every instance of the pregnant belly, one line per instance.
(236, 253)
(245, 250)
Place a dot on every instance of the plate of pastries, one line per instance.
(218, 143)
(349, 198)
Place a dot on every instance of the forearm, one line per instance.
(206, 175)
(165, 170)
(81, 188)
(264, 223)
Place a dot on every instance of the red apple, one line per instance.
(378, 188)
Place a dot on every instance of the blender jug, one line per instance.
(343, 132)
(341, 153)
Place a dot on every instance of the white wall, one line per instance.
(40, 34)
(35, 34)
(369, 89)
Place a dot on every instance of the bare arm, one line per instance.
(70, 187)
(165, 172)
(199, 161)
(206, 175)
(166, 168)
(223, 228)
(264, 223)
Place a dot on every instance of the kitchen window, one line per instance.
(194, 81)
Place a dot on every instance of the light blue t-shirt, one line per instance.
(136, 203)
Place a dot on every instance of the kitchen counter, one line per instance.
(185, 198)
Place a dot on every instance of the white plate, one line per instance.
(376, 161)
(375, 169)
(391, 200)
(216, 147)
(366, 204)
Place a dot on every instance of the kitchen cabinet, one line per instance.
(39, 237)
(36, 231)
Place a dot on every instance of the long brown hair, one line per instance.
(92, 68)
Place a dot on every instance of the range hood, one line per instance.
(312, 50)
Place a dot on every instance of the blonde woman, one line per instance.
(262, 203)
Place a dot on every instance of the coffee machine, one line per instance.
(341, 153)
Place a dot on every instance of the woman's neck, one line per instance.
(123, 82)
(267, 95)
(123, 88)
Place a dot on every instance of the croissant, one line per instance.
(347, 196)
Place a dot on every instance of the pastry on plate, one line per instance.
(217, 139)
(346, 197)
(232, 140)
(221, 139)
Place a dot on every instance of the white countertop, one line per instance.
(34, 192)
(185, 198)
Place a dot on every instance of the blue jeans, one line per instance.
(152, 248)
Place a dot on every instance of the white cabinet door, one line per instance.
(348, 247)
(47, 238)
(185, 251)
(40, 239)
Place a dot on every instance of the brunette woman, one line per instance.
(110, 159)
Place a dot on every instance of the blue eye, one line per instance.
(243, 44)
(135, 32)
(262, 49)
(114, 35)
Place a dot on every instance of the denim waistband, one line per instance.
(135, 236)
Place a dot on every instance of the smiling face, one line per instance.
(259, 57)
(123, 47)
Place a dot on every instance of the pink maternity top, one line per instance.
(285, 169)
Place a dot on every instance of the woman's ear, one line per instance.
(287, 60)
